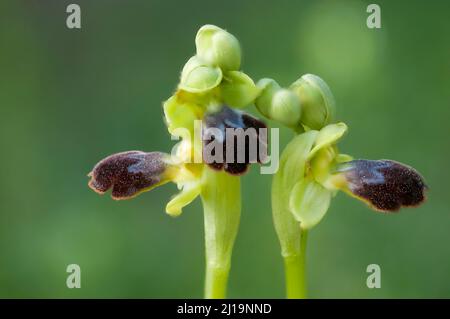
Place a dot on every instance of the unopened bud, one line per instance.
(316, 99)
(219, 48)
(286, 108)
(278, 104)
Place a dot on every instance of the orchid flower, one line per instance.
(312, 170)
(210, 92)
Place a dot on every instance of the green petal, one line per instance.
(218, 48)
(330, 134)
(342, 158)
(180, 115)
(198, 77)
(189, 192)
(309, 202)
(238, 89)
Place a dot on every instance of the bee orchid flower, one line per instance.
(312, 171)
(208, 98)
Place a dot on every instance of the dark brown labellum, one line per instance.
(128, 173)
(386, 185)
(240, 133)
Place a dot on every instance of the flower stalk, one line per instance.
(221, 198)
(295, 271)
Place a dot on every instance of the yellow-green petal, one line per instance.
(189, 192)
(180, 115)
(309, 202)
(330, 134)
(342, 158)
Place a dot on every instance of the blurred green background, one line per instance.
(69, 97)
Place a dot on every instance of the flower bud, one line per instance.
(384, 184)
(268, 88)
(219, 48)
(238, 89)
(278, 104)
(316, 99)
(129, 173)
(286, 108)
(198, 77)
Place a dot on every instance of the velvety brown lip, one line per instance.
(386, 185)
(127, 173)
(231, 118)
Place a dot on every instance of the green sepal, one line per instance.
(238, 89)
(199, 77)
(294, 158)
(293, 165)
(179, 114)
(309, 202)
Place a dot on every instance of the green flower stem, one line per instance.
(216, 281)
(221, 197)
(295, 271)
